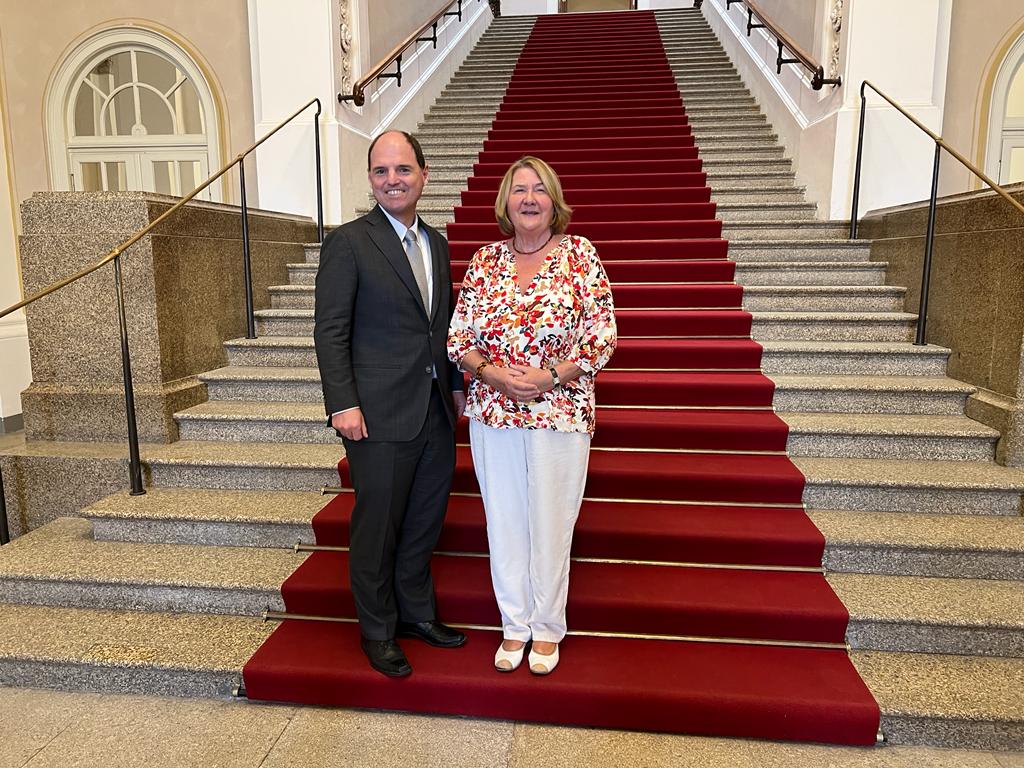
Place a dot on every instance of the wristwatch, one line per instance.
(554, 377)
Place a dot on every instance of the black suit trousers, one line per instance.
(401, 493)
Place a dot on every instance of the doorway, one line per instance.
(591, 6)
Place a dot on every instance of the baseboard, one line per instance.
(13, 423)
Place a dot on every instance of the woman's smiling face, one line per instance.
(530, 208)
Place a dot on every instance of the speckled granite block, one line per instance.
(778, 298)
(948, 448)
(40, 488)
(1005, 414)
(825, 495)
(97, 413)
(863, 359)
(68, 676)
(240, 477)
(206, 532)
(849, 558)
(924, 638)
(187, 268)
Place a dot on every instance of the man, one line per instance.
(383, 303)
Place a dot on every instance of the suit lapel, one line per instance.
(384, 237)
(437, 272)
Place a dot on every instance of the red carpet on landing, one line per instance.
(693, 553)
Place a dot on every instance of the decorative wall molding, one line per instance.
(345, 40)
(836, 25)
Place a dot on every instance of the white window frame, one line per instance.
(998, 124)
(62, 92)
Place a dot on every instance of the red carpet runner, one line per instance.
(688, 474)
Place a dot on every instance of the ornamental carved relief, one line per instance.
(345, 39)
(836, 21)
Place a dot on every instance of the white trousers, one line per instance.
(532, 485)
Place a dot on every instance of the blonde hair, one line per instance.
(561, 213)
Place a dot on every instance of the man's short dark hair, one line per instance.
(416, 148)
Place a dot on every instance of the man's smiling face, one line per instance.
(395, 176)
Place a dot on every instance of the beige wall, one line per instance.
(35, 37)
(390, 21)
(802, 20)
(978, 44)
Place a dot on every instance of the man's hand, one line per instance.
(511, 383)
(459, 398)
(350, 424)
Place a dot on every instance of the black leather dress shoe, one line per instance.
(433, 633)
(386, 657)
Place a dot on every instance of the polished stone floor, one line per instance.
(54, 729)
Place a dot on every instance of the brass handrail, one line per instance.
(113, 254)
(929, 242)
(358, 95)
(785, 42)
(942, 143)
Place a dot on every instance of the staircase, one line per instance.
(923, 539)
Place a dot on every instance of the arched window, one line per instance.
(1005, 146)
(130, 110)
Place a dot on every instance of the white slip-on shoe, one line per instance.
(508, 661)
(543, 664)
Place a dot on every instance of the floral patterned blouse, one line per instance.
(565, 315)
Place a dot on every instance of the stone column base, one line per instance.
(97, 414)
(1005, 414)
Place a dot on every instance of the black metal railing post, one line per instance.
(929, 242)
(5, 531)
(250, 316)
(319, 182)
(134, 462)
(856, 172)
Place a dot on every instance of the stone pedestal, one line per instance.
(184, 292)
(976, 300)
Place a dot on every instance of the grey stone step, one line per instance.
(987, 547)
(255, 466)
(757, 298)
(821, 326)
(239, 518)
(809, 249)
(958, 546)
(847, 393)
(947, 438)
(821, 298)
(449, 196)
(856, 358)
(61, 564)
(785, 230)
(896, 485)
(946, 700)
(780, 357)
(750, 273)
(167, 654)
(767, 326)
(976, 617)
(851, 393)
(879, 436)
(256, 422)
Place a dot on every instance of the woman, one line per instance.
(534, 324)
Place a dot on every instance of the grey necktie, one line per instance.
(415, 255)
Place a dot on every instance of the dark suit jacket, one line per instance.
(375, 345)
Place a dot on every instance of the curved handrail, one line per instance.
(118, 250)
(940, 144)
(785, 42)
(358, 95)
